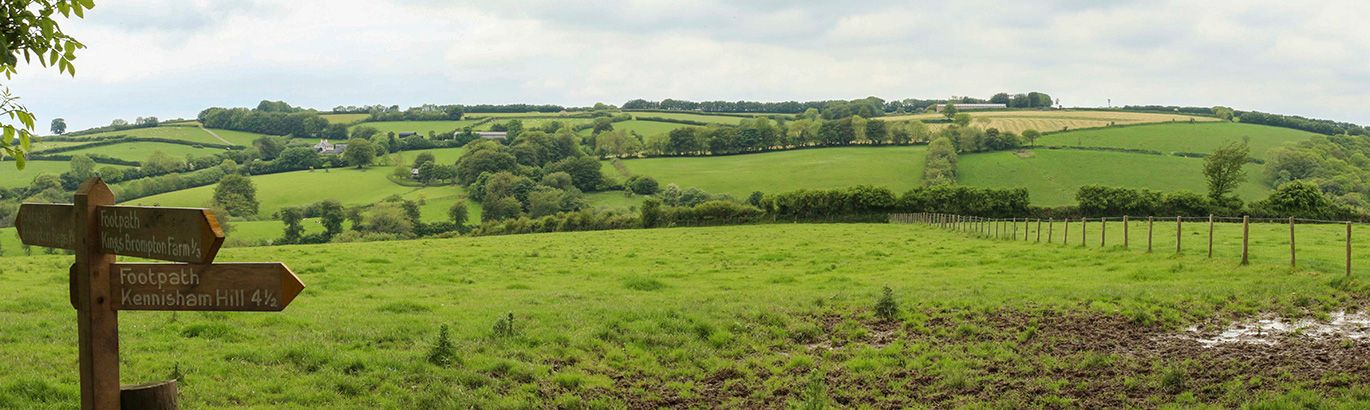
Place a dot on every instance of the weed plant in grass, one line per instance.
(738, 317)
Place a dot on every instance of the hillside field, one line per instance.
(1053, 176)
(140, 151)
(1169, 138)
(192, 134)
(344, 118)
(741, 317)
(1053, 120)
(299, 188)
(898, 168)
(11, 177)
(421, 127)
(713, 119)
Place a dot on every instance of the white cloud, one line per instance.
(172, 58)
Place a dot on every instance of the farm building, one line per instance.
(327, 148)
(491, 135)
(940, 107)
(408, 134)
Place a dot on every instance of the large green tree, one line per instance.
(59, 126)
(360, 153)
(1223, 169)
(29, 28)
(236, 194)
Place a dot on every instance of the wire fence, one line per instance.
(1233, 236)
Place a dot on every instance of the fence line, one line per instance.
(1001, 228)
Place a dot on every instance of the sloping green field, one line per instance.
(192, 134)
(421, 127)
(734, 317)
(139, 151)
(715, 119)
(898, 168)
(11, 177)
(344, 118)
(1180, 137)
(1053, 176)
(276, 191)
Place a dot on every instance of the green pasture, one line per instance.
(344, 118)
(141, 150)
(1180, 137)
(714, 119)
(897, 168)
(421, 127)
(299, 188)
(736, 317)
(12, 177)
(1052, 177)
(192, 134)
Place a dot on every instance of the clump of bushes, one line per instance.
(886, 308)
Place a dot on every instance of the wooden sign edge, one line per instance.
(290, 287)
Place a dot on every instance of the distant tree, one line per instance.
(294, 231)
(332, 215)
(356, 216)
(651, 213)
(502, 208)
(118, 122)
(1223, 169)
(544, 201)
(422, 158)
(1031, 136)
(961, 119)
(1223, 113)
(237, 195)
(458, 213)
(82, 167)
(389, 217)
(643, 185)
(160, 163)
(364, 132)
(359, 153)
(584, 171)
(950, 110)
(59, 126)
(298, 158)
(1000, 98)
(269, 146)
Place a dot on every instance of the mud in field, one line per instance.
(1018, 359)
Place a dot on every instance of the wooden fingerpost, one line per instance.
(1210, 239)
(97, 321)
(1179, 228)
(1150, 223)
(150, 396)
(1126, 238)
(1293, 257)
(1246, 237)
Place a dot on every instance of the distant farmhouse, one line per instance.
(963, 107)
(327, 148)
(408, 134)
(490, 135)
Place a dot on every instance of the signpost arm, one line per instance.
(97, 321)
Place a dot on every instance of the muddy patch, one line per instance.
(1273, 330)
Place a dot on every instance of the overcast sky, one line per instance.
(172, 58)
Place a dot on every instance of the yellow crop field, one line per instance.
(1017, 121)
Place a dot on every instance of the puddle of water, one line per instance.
(1271, 330)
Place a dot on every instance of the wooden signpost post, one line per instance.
(97, 231)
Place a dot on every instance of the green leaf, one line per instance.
(79, 13)
(90, 4)
(20, 161)
(24, 141)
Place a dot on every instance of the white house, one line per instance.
(491, 135)
(328, 148)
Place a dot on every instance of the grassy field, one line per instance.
(1183, 137)
(531, 123)
(478, 115)
(11, 177)
(276, 191)
(1053, 176)
(139, 151)
(647, 128)
(735, 317)
(1045, 121)
(193, 134)
(898, 168)
(716, 119)
(421, 127)
(344, 118)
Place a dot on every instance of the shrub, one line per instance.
(642, 185)
(886, 308)
(443, 352)
(504, 327)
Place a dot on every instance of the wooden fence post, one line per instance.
(1246, 237)
(1026, 228)
(1179, 228)
(1103, 232)
(1126, 238)
(1065, 233)
(1348, 248)
(1039, 230)
(1084, 222)
(150, 396)
(1210, 238)
(1014, 221)
(1051, 222)
(1293, 256)
(1150, 222)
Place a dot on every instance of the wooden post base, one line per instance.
(150, 396)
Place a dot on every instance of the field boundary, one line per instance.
(1007, 229)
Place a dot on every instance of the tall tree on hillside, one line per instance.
(59, 126)
(949, 110)
(359, 153)
(30, 28)
(1223, 168)
(237, 195)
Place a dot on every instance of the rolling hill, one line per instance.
(898, 168)
(1170, 138)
